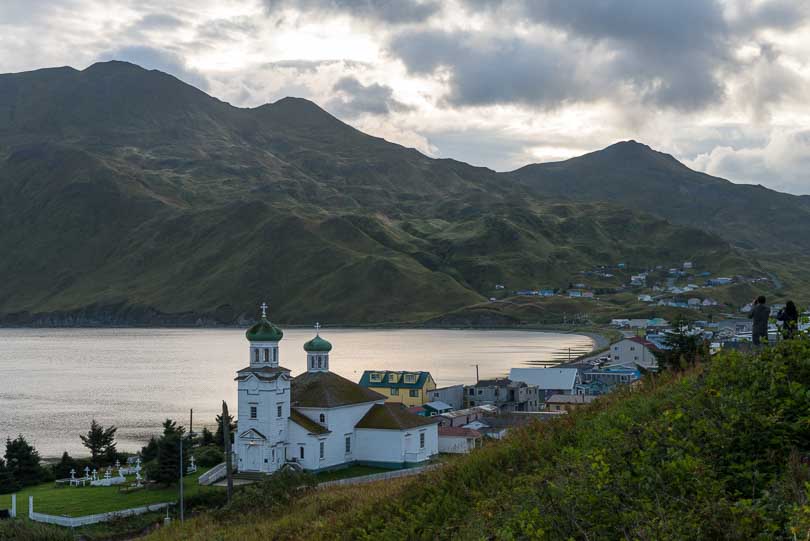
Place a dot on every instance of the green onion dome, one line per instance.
(318, 344)
(264, 331)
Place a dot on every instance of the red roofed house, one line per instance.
(633, 352)
(454, 439)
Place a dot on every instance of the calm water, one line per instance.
(53, 382)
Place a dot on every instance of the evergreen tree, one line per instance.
(22, 461)
(219, 438)
(207, 437)
(168, 457)
(61, 470)
(149, 452)
(7, 482)
(101, 443)
(684, 347)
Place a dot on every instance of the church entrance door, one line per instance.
(254, 458)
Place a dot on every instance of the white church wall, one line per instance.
(381, 446)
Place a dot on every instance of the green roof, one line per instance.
(264, 331)
(306, 423)
(393, 416)
(420, 380)
(318, 344)
(328, 390)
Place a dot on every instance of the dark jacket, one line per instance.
(760, 314)
(790, 322)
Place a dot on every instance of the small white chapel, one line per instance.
(318, 420)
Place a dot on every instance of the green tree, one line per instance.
(684, 346)
(23, 461)
(218, 436)
(101, 443)
(207, 437)
(149, 452)
(7, 482)
(61, 469)
(168, 456)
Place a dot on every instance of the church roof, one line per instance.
(318, 345)
(328, 390)
(266, 373)
(306, 423)
(393, 416)
(264, 331)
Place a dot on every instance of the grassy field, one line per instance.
(346, 473)
(80, 501)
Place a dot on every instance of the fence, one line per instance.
(72, 522)
(378, 476)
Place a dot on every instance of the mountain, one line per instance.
(127, 196)
(635, 176)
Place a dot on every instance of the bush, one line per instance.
(23, 530)
(209, 456)
(274, 491)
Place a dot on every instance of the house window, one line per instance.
(421, 440)
(394, 391)
(322, 417)
(301, 452)
(253, 412)
(279, 411)
(348, 444)
(322, 449)
(375, 377)
(392, 378)
(414, 393)
(480, 392)
(472, 392)
(410, 378)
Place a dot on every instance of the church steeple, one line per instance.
(318, 352)
(264, 337)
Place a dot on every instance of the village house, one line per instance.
(436, 407)
(409, 388)
(504, 394)
(318, 420)
(567, 402)
(634, 352)
(458, 440)
(465, 416)
(548, 381)
(453, 395)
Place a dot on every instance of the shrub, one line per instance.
(209, 456)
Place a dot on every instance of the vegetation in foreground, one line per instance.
(718, 451)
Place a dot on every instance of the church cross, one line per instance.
(264, 307)
(318, 329)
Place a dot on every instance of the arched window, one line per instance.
(319, 363)
(255, 355)
(323, 418)
(266, 355)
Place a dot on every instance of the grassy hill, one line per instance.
(128, 197)
(720, 452)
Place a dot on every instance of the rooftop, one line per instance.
(570, 399)
(328, 390)
(546, 378)
(266, 373)
(457, 431)
(383, 378)
(392, 416)
(306, 423)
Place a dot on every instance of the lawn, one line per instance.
(80, 501)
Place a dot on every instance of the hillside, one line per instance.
(129, 197)
(720, 452)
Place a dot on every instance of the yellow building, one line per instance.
(409, 388)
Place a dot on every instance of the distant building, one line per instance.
(549, 381)
(547, 293)
(436, 408)
(687, 265)
(610, 377)
(694, 302)
(504, 394)
(458, 440)
(409, 388)
(462, 417)
(453, 395)
(645, 298)
(722, 281)
(634, 352)
(574, 293)
(558, 402)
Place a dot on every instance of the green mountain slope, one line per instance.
(127, 196)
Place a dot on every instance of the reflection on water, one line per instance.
(54, 381)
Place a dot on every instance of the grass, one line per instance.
(80, 501)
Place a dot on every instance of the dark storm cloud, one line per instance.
(354, 98)
(387, 11)
(158, 59)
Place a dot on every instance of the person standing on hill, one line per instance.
(789, 316)
(760, 312)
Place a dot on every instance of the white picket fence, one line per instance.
(73, 522)
(378, 476)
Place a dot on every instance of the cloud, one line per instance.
(158, 59)
(387, 11)
(783, 163)
(354, 99)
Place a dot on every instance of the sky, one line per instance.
(719, 84)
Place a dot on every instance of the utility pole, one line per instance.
(181, 478)
(191, 423)
(226, 433)
(476, 373)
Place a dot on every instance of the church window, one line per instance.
(322, 449)
(266, 355)
(253, 412)
(256, 355)
(348, 444)
(421, 440)
(323, 418)
(275, 354)
(279, 411)
(301, 452)
(394, 391)
(320, 362)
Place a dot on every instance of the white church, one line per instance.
(319, 420)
